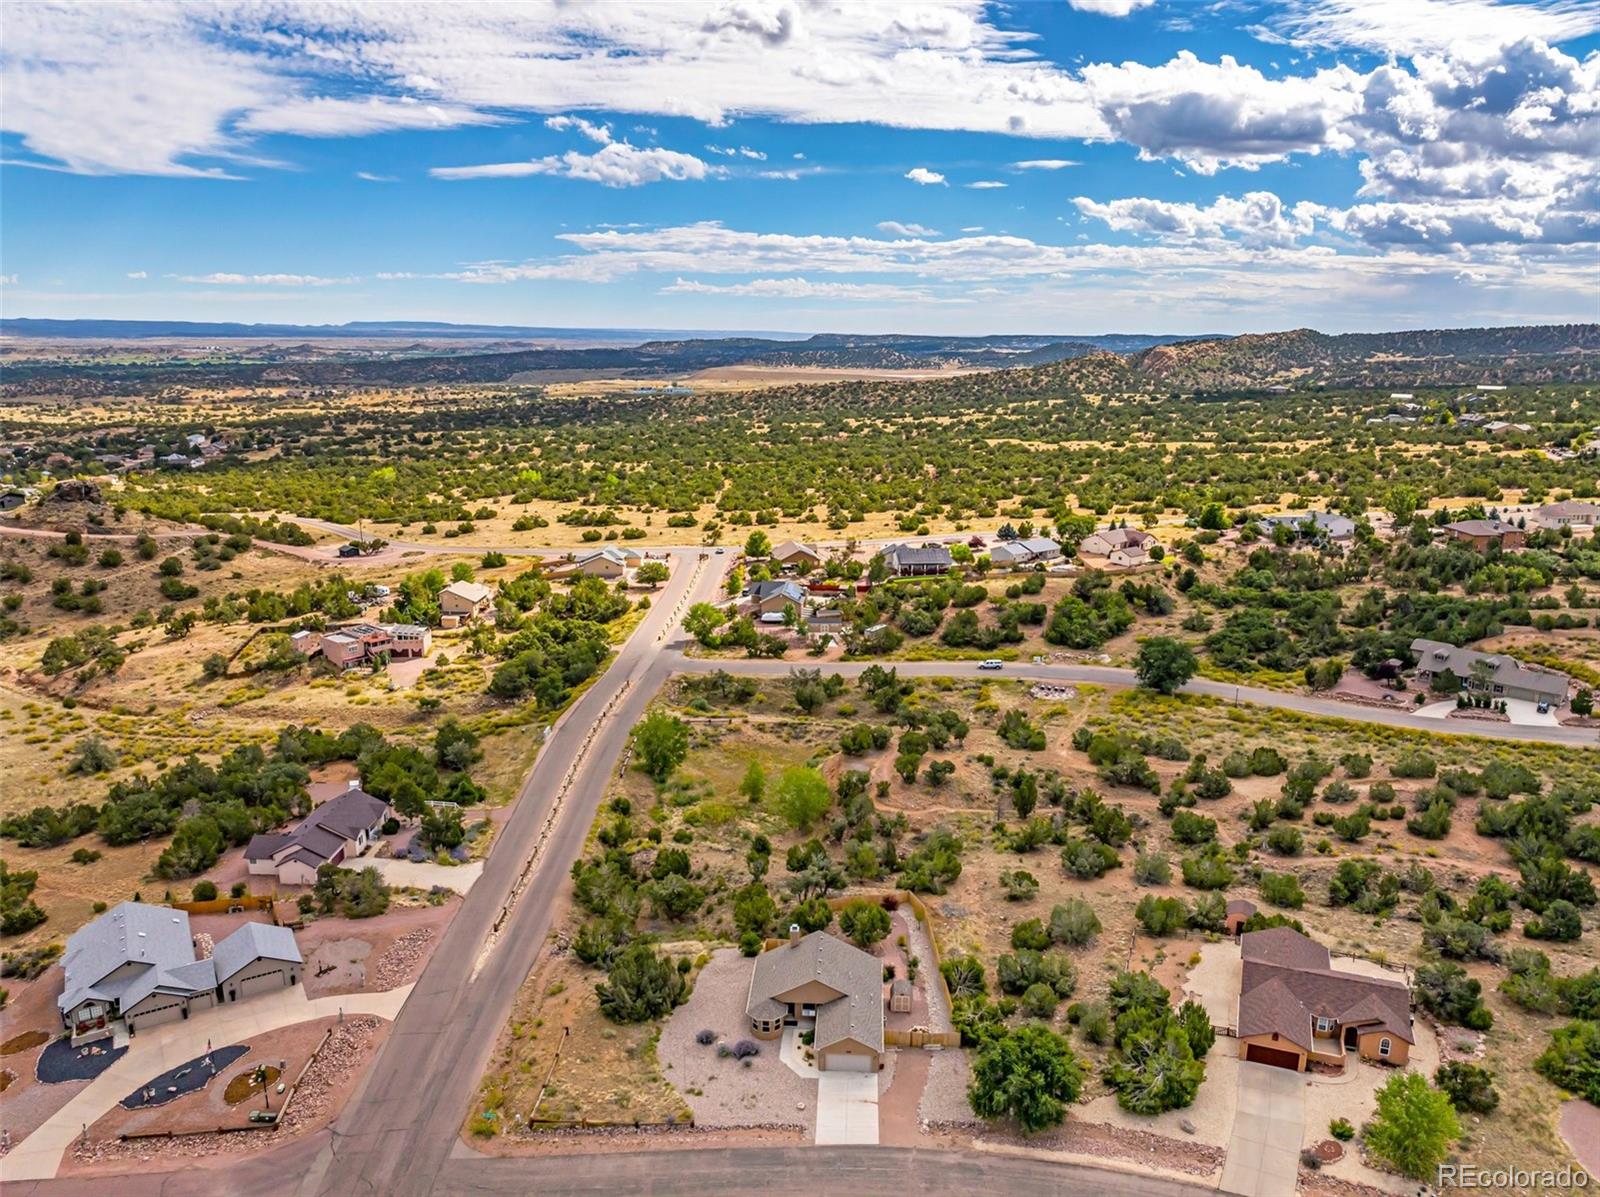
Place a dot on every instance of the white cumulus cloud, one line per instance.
(895, 229)
(617, 164)
(924, 177)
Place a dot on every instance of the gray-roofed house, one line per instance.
(775, 595)
(1328, 523)
(1025, 550)
(137, 964)
(916, 560)
(1491, 674)
(257, 958)
(339, 829)
(820, 980)
(1569, 513)
(1296, 1009)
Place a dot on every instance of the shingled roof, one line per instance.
(1288, 980)
(857, 1013)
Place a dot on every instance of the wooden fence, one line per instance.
(921, 1037)
(227, 905)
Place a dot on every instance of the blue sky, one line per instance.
(1082, 166)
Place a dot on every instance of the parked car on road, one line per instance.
(991, 663)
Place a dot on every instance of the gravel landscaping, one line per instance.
(184, 1079)
(944, 1095)
(61, 1062)
(722, 1092)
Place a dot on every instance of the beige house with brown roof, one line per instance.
(820, 980)
(791, 554)
(1296, 1009)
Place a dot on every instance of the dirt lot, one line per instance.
(371, 955)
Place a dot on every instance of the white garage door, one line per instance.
(840, 1062)
(170, 1012)
(254, 983)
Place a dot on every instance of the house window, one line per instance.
(1324, 1026)
(1383, 1047)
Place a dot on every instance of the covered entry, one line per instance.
(1258, 1053)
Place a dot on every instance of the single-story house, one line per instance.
(1119, 546)
(1567, 514)
(306, 642)
(1239, 912)
(821, 980)
(771, 597)
(1026, 550)
(1296, 1009)
(609, 562)
(1335, 527)
(916, 560)
(791, 554)
(338, 830)
(465, 601)
(1491, 674)
(1482, 535)
(138, 963)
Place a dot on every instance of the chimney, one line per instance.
(794, 932)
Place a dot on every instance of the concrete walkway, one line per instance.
(425, 874)
(158, 1049)
(1264, 1153)
(847, 1108)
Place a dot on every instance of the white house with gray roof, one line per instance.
(821, 981)
(137, 964)
(1025, 550)
(1491, 674)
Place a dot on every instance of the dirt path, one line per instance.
(898, 1124)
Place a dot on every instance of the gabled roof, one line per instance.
(472, 592)
(1125, 538)
(793, 591)
(790, 547)
(1568, 509)
(128, 932)
(1435, 656)
(264, 847)
(1287, 981)
(346, 816)
(252, 942)
(820, 957)
(918, 554)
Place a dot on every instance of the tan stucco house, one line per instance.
(462, 602)
(821, 981)
(791, 554)
(1296, 1009)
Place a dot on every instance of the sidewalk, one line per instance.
(158, 1049)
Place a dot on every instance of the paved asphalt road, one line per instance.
(399, 1133)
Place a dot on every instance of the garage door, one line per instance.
(258, 983)
(1272, 1055)
(840, 1062)
(170, 1012)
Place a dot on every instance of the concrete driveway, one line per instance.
(847, 1108)
(1264, 1153)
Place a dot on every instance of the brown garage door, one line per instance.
(1278, 1058)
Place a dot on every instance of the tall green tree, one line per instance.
(1414, 1126)
(1164, 664)
(661, 742)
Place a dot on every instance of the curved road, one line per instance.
(399, 1133)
